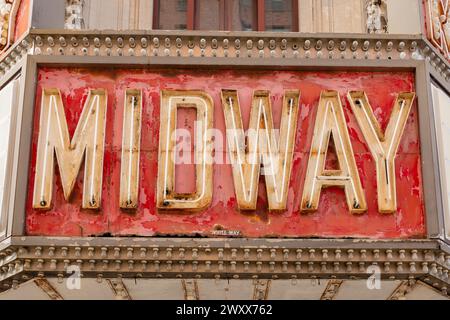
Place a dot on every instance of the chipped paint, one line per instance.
(332, 219)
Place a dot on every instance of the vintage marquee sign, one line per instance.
(257, 154)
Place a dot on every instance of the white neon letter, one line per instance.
(276, 156)
(330, 122)
(88, 143)
(131, 149)
(167, 198)
(383, 146)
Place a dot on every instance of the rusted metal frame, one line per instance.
(429, 154)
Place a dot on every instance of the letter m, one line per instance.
(87, 144)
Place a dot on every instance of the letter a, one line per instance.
(330, 122)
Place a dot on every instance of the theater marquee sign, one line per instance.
(225, 153)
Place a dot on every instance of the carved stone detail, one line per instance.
(376, 16)
(74, 15)
(332, 289)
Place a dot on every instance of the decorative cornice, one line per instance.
(29, 257)
(226, 45)
(235, 46)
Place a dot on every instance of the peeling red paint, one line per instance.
(331, 220)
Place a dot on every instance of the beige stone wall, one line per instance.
(118, 14)
(332, 16)
(349, 16)
(403, 16)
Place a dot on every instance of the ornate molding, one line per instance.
(226, 45)
(236, 47)
(29, 257)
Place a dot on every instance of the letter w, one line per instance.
(276, 156)
(87, 143)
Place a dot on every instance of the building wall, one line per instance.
(331, 16)
(118, 14)
(404, 16)
(340, 16)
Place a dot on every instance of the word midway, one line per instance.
(260, 150)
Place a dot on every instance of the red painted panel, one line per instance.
(331, 220)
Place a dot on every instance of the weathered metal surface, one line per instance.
(332, 219)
